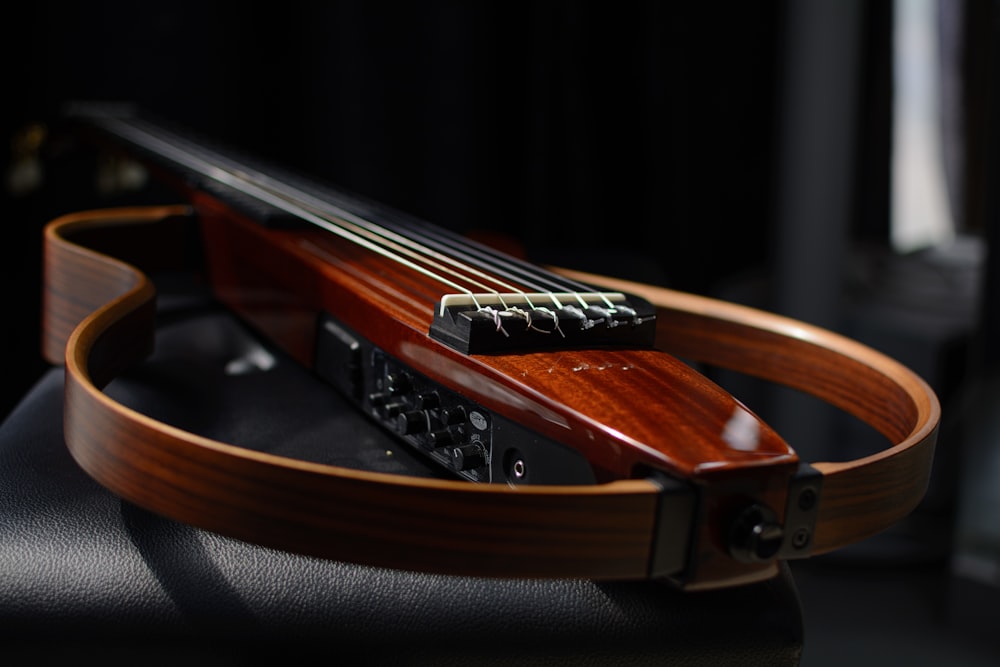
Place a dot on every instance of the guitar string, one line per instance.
(504, 264)
(149, 140)
(432, 237)
(447, 244)
(501, 264)
(366, 233)
(391, 239)
(388, 238)
(390, 232)
(242, 177)
(488, 257)
(373, 230)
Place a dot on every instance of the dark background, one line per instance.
(635, 138)
(695, 145)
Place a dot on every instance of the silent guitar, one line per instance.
(577, 436)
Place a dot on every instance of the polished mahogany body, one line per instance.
(629, 411)
(624, 408)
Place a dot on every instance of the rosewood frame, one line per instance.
(98, 319)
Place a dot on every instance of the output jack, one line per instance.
(514, 466)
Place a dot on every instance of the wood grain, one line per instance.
(99, 310)
(622, 408)
(602, 531)
(861, 497)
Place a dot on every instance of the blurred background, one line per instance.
(831, 160)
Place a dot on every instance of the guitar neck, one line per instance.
(488, 301)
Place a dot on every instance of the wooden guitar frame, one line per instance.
(98, 319)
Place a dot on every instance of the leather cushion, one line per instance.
(81, 570)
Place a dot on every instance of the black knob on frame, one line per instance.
(755, 536)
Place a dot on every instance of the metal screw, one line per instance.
(801, 538)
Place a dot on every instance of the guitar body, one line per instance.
(579, 445)
(281, 281)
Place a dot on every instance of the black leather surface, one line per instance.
(84, 574)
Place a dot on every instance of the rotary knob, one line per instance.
(467, 457)
(411, 422)
(394, 408)
(398, 383)
(755, 536)
(444, 437)
(429, 400)
(454, 416)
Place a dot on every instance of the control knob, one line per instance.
(467, 457)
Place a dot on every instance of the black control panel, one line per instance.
(450, 429)
(445, 426)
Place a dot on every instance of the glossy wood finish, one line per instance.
(860, 497)
(634, 414)
(621, 408)
(602, 531)
(628, 411)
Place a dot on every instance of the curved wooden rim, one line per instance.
(600, 531)
(860, 497)
(604, 531)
